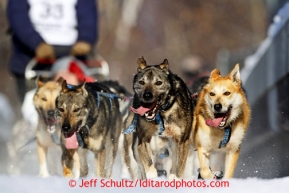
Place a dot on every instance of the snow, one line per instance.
(31, 184)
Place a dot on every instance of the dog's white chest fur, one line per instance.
(216, 135)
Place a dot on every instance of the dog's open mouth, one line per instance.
(220, 119)
(149, 110)
(51, 123)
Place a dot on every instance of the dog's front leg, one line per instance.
(99, 158)
(204, 159)
(180, 159)
(232, 156)
(146, 156)
(82, 154)
(67, 162)
(42, 158)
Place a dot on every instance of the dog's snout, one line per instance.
(218, 107)
(147, 95)
(50, 113)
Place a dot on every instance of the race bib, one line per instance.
(55, 20)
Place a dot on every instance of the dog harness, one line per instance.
(227, 136)
(132, 126)
(110, 96)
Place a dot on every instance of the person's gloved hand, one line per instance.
(80, 48)
(44, 50)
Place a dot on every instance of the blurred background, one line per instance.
(194, 35)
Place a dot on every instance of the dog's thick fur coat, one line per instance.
(44, 102)
(221, 100)
(159, 91)
(85, 112)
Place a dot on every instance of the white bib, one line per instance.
(55, 20)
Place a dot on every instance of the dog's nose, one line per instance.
(218, 107)
(50, 113)
(147, 96)
(66, 127)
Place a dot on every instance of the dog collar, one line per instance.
(227, 136)
(169, 103)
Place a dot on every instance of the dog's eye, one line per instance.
(61, 110)
(159, 83)
(76, 110)
(141, 82)
(212, 94)
(44, 99)
(227, 93)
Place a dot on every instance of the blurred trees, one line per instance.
(158, 29)
(175, 29)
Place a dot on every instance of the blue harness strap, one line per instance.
(79, 140)
(164, 154)
(132, 126)
(227, 136)
(159, 121)
(110, 96)
(69, 86)
(55, 138)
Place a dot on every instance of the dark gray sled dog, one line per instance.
(162, 122)
(90, 120)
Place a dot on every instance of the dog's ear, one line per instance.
(81, 88)
(215, 74)
(64, 87)
(235, 75)
(60, 80)
(141, 64)
(165, 65)
(39, 82)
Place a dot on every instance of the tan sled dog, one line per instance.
(44, 102)
(221, 119)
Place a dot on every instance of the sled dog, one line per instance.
(162, 120)
(44, 102)
(221, 119)
(90, 120)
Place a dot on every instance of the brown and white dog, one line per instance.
(221, 119)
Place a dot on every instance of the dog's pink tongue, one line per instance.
(71, 141)
(214, 122)
(142, 110)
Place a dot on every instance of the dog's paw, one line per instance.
(67, 172)
(152, 173)
(44, 174)
(206, 174)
